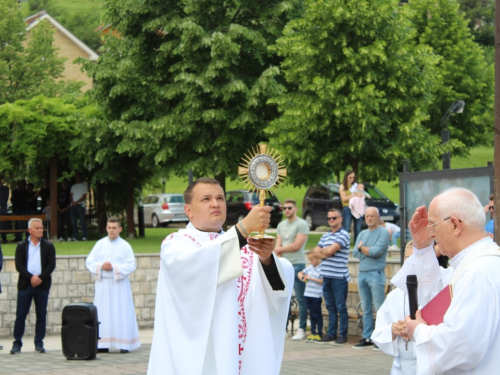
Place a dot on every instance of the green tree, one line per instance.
(361, 91)
(29, 66)
(465, 73)
(189, 80)
(36, 130)
(82, 24)
(480, 15)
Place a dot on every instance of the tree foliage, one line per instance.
(29, 66)
(465, 74)
(480, 15)
(361, 88)
(188, 81)
(33, 131)
(83, 23)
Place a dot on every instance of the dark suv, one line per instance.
(240, 202)
(320, 199)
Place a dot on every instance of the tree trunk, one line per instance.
(355, 168)
(130, 199)
(53, 198)
(102, 217)
(222, 180)
(496, 165)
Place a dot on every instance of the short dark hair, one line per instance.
(492, 196)
(114, 219)
(335, 210)
(290, 200)
(188, 193)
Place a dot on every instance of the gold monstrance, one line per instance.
(264, 170)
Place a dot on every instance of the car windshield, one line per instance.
(255, 197)
(174, 199)
(374, 192)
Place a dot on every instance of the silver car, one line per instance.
(161, 209)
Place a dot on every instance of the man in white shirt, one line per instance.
(220, 305)
(468, 340)
(111, 261)
(78, 196)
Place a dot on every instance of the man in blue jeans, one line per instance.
(35, 261)
(333, 248)
(371, 249)
(290, 243)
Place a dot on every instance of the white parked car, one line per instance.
(162, 209)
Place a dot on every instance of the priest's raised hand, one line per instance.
(257, 219)
(418, 228)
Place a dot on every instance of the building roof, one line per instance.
(35, 19)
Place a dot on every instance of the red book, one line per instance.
(433, 312)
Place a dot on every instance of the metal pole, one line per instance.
(190, 176)
(445, 137)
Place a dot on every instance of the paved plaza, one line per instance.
(300, 358)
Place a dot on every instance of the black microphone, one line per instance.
(412, 286)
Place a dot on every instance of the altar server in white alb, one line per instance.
(468, 340)
(111, 261)
(221, 306)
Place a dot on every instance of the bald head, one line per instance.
(372, 217)
(463, 204)
(457, 220)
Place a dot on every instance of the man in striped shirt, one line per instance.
(333, 248)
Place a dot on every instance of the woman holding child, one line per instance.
(348, 191)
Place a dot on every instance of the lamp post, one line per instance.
(456, 107)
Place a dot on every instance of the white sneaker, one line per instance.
(300, 335)
(84, 239)
(393, 247)
(74, 239)
(60, 239)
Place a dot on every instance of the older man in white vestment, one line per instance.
(111, 261)
(221, 306)
(468, 340)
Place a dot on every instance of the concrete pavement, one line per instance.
(299, 358)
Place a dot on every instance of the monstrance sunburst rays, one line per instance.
(262, 168)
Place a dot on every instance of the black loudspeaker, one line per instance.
(80, 331)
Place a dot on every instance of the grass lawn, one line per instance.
(149, 244)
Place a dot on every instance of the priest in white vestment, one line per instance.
(111, 261)
(221, 306)
(390, 333)
(468, 340)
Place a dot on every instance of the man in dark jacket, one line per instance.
(35, 261)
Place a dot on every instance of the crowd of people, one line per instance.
(26, 200)
(214, 267)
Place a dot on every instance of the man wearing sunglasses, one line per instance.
(468, 340)
(333, 248)
(290, 243)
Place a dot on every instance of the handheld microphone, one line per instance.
(412, 286)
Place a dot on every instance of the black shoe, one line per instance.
(326, 339)
(16, 348)
(39, 348)
(363, 343)
(376, 348)
(105, 350)
(341, 340)
(123, 351)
